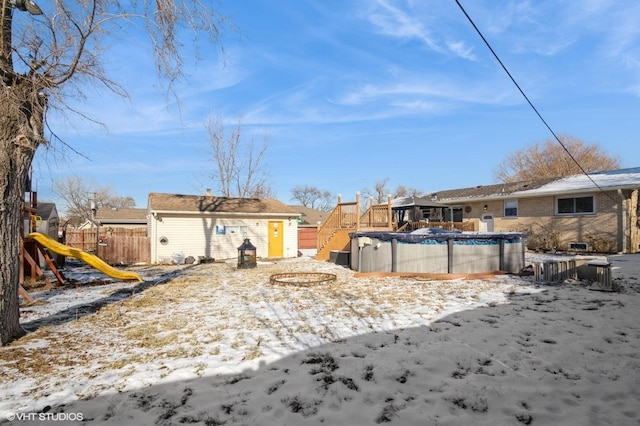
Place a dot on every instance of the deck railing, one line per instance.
(447, 226)
(346, 216)
(377, 216)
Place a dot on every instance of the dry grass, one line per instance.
(216, 314)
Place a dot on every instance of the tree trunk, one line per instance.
(21, 117)
(10, 216)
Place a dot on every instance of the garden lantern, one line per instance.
(247, 255)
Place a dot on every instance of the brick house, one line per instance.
(598, 212)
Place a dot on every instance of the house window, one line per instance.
(575, 205)
(453, 214)
(510, 208)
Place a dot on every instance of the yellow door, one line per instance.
(276, 242)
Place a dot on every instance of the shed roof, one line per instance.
(212, 204)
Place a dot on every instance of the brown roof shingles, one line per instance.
(484, 191)
(311, 216)
(107, 213)
(212, 204)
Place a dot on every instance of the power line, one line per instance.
(526, 97)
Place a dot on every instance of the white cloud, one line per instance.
(434, 88)
(416, 22)
(462, 50)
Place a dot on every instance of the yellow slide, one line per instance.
(88, 258)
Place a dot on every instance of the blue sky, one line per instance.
(352, 92)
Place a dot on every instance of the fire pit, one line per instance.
(303, 279)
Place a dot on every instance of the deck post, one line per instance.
(371, 215)
(389, 211)
(357, 210)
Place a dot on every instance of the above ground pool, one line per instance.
(436, 251)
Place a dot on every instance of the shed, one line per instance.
(205, 226)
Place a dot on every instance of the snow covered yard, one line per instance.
(215, 345)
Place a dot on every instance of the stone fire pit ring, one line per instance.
(303, 279)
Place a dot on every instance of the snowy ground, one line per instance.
(210, 344)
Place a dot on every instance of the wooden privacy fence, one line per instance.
(307, 238)
(116, 246)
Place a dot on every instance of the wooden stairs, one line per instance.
(333, 234)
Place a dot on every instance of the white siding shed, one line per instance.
(214, 227)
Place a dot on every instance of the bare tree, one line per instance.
(379, 192)
(549, 159)
(239, 164)
(78, 195)
(312, 197)
(118, 202)
(51, 56)
(407, 191)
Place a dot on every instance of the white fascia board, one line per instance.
(240, 214)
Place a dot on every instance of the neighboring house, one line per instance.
(118, 218)
(214, 227)
(598, 212)
(47, 220)
(122, 218)
(308, 224)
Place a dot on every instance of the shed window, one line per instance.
(575, 205)
(510, 208)
(236, 230)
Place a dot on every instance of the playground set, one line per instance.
(34, 244)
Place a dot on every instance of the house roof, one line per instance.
(113, 215)
(609, 180)
(487, 191)
(212, 204)
(47, 210)
(310, 216)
